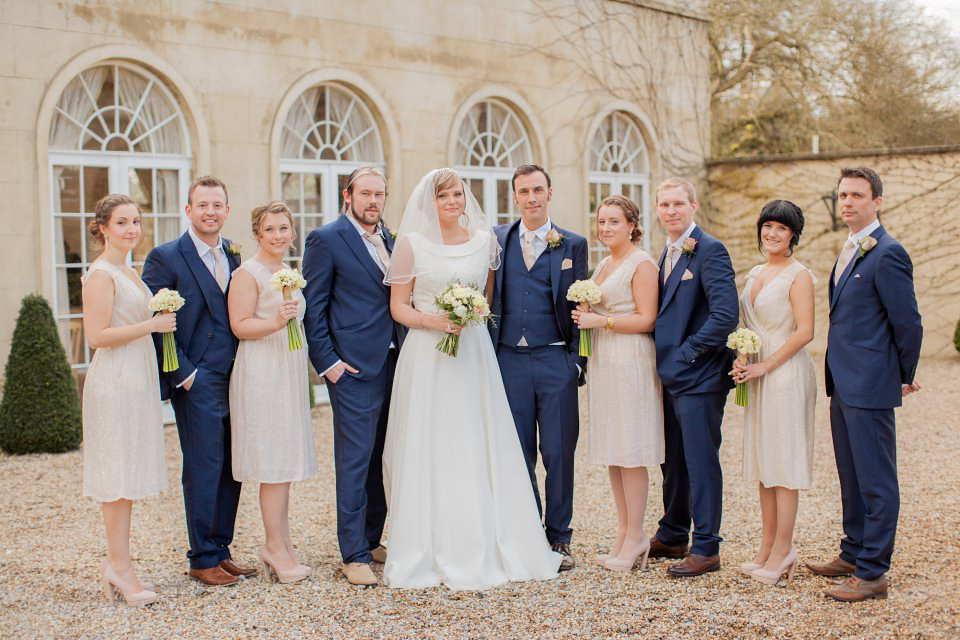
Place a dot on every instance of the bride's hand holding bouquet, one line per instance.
(464, 305)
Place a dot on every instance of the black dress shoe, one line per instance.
(564, 549)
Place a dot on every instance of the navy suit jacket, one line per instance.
(348, 305)
(873, 345)
(696, 315)
(574, 249)
(177, 265)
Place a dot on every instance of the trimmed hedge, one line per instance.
(40, 410)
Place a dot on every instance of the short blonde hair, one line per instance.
(670, 183)
(261, 212)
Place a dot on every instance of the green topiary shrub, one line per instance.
(956, 337)
(40, 410)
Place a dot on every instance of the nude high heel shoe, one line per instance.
(788, 566)
(616, 564)
(110, 584)
(747, 568)
(270, 570)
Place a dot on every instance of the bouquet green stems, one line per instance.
(168, 301)
(286, 281)
(464, 305)
(586, 335)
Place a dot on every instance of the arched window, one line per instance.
(618, 166)
(328, 132)
(491, 142)
(116, 128)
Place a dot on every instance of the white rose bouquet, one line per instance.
(745, 342)
(168, 301)
(584, 293)
(464, 305)
(287, 281)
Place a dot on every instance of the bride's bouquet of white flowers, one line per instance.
(464, 305)
(287, 281)
(745, 342)
(584, 293)
(168, 301)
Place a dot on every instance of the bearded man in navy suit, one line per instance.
(872, 353)
(698, 310)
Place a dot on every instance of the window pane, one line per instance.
(70, 231)
(141, 189)
(167, 200)
(312, 193)
(68, 290)
(503, 198)
(341, 185)
(476, 188)
(75, 347)
(290, 186)
(146, 239)
(96, 184)
(93, 246)
(66, 189)
(168, 228)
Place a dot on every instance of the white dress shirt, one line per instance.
(205, 252)
(679, 247)
(540, 237)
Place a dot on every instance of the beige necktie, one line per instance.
(528, 256)
(668, 263)
(845, 257)
(218, 273)
(377, 241)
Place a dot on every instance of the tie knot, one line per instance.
(849, 245)
(373, 237)
(528, 236)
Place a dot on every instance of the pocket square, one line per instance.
(686, 275)
(566, 264)
(856, 275)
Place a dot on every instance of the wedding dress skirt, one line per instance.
(461, 509)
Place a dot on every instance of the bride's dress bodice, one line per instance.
(437, 265)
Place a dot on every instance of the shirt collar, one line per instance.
(361, 230)
(863, 233)
(686, 234)
(541, 232)
(203, 247)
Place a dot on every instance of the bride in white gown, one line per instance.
(462, 512)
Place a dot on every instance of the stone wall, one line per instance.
(920, 200)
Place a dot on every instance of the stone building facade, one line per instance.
(282, 100)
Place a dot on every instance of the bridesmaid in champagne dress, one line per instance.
(626, 399)
(777, 303)
(269, 397)
(123, 447)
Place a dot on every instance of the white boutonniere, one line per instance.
(234, 249)
(554, 239)
(689, 247)
(865, 245)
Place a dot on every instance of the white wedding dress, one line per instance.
(461, 509)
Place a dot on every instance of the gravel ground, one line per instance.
(52, 544)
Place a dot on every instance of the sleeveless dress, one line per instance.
(778, 431)
(271, 430)
(461, 508)
(123, 447)
(626, 399)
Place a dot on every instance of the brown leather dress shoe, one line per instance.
(695, 565)
(359, 573)
(833, 569)
(660, 550)
(237, 570)
(213, 577)
(379, 554)
(856, 590)
(563, 549)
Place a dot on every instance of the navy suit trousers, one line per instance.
(692, 477)
(360, 412)
(210, 494)
(865, 446)
(541, 385)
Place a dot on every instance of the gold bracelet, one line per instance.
(609, 323)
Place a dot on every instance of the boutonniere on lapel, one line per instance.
(554, 239)
(689, 247)
(865, 245)
(234, 249)
(393, 234)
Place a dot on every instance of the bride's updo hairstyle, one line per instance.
(783, 212)
(103, 210)
(261, 212)
(630, 211)
(444, 179)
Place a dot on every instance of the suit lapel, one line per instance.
(879, 231)
(556, 261)
(387, 238)
(676, 275)
(357, 245)
(205, 280)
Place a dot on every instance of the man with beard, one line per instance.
(353, 343)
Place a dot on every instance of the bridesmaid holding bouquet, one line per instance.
(123, 448)
(269, 396)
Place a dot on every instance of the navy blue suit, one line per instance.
(698, 310)
(872, 350)
(541, 379)
(206, 344)
(348, 318)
